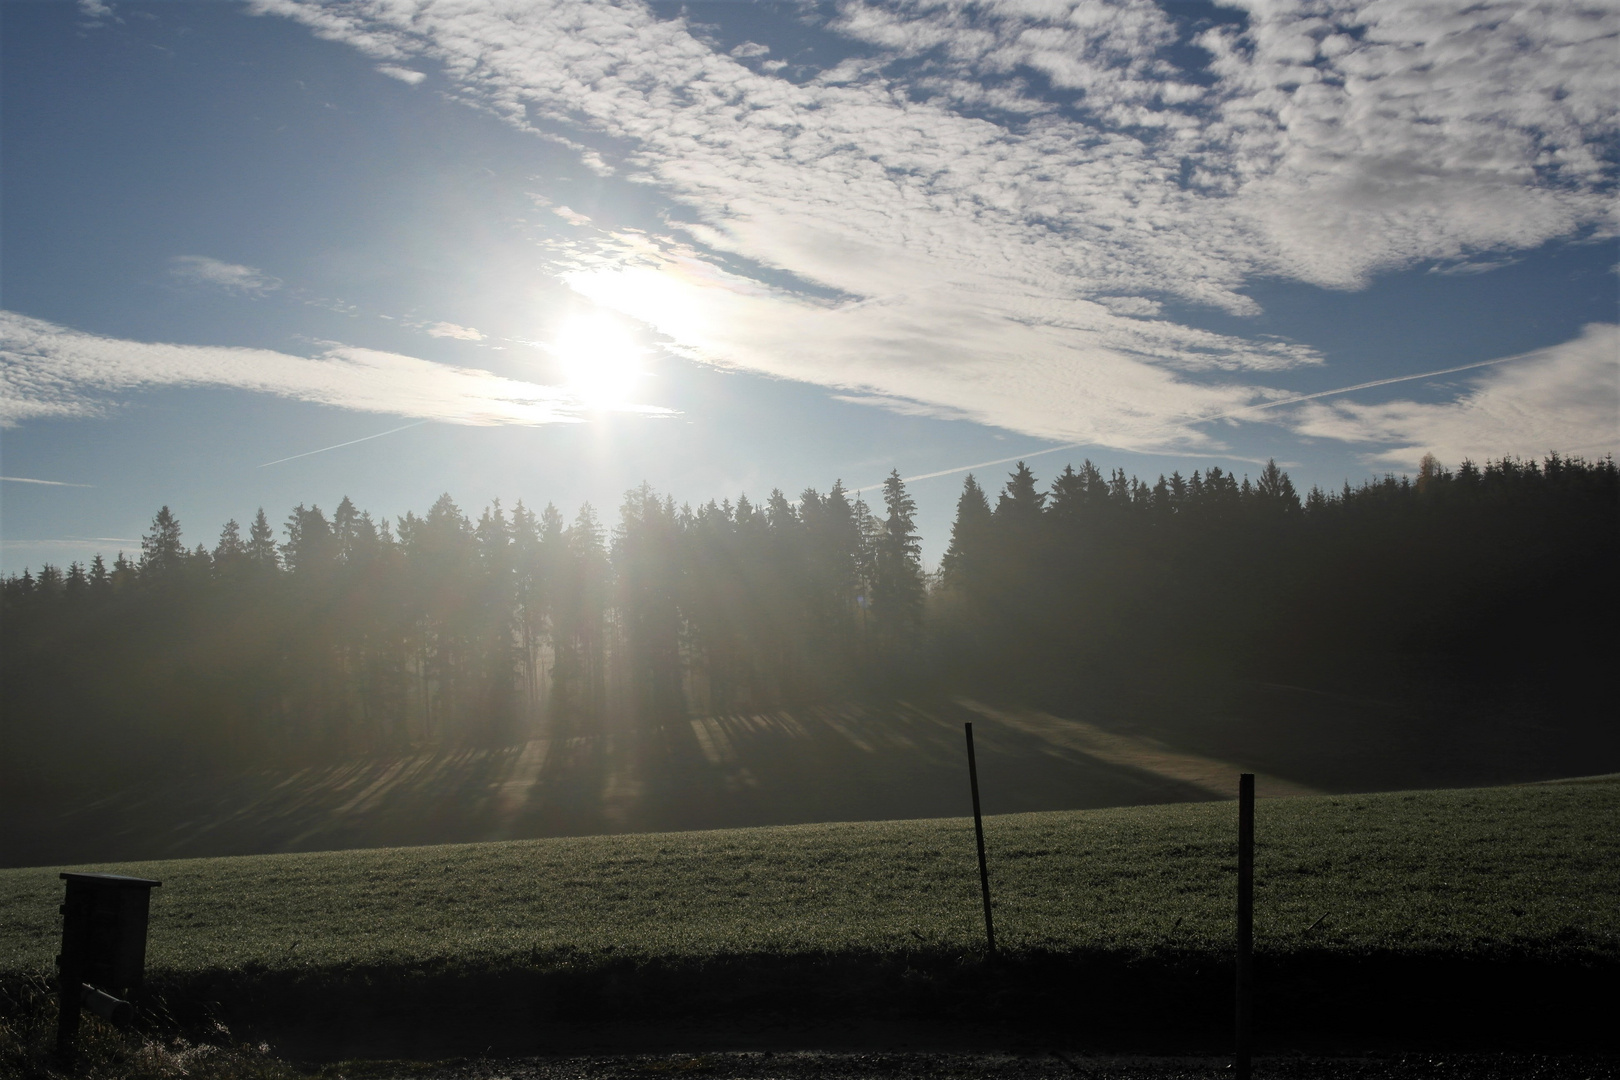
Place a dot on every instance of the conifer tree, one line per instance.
(897, 578)
(230, 554)
(261, 545)
(963, 563)
(1276, 491)
(124, 572)
(161, 550)
(311, 550)
(1020, 505)
(348, 526)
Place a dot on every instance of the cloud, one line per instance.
(403, 74)
(97, 10)
(573, 217)
(1063, 369)
(1565, 398)
(50, 371)
(1008, 195)
(232, 277)
(451, 330)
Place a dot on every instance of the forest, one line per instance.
(341, 635)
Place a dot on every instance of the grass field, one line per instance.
(1509, 879)
(856, 761)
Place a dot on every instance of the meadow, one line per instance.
(1467, 905)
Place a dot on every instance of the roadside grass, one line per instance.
(155, 1052)
(1503, 876)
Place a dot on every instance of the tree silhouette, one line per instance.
(162, 553)
(447, 630)
(897, 578)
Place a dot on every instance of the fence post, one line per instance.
(1245, 928)
(978, 832)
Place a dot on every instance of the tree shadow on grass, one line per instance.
(851, 762)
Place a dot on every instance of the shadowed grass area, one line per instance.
(857, 761)
(778, 920)
(152, 1051)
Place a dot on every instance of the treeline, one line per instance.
(1483, 575)
(343, 634)
(349, 635)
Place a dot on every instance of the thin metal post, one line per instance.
(1245, 928)
(978, 831)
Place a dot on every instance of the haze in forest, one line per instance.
(348, 681)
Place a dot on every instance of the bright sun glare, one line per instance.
(601, 362)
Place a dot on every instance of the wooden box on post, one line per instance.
(103, 947)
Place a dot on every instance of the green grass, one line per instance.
(1523, 871)
(1485, 914)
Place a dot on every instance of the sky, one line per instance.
(280, 252)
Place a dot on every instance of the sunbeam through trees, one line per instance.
(351, 636)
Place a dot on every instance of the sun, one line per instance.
(600, 360)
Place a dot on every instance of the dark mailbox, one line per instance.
(103, 946)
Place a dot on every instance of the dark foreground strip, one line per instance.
(372, 1041)
(890, 1065)
(1165, 1004)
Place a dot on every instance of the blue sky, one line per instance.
(726, 247)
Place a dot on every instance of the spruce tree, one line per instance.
(963, 561)
(162, 553)
(1020, 504)
(261, 545)
(897, 581)
(230, 553)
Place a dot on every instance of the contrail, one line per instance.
(1220, 416)
(351, 442)
(1360, 386)
(980, 465)
(48, 483)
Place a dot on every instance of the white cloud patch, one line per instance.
(1565, 398)
(50, 371)
(213, 273)
(451, 330)
(403, 74)
(1007, 249)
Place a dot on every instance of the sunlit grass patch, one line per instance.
(1526, 871)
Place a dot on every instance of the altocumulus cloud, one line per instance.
(51, 371)
(1005, 252)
